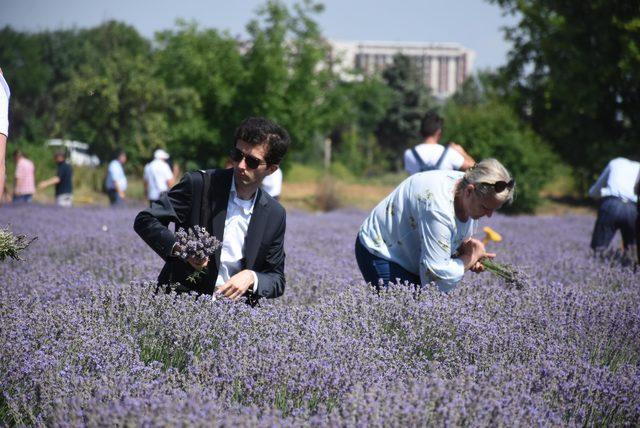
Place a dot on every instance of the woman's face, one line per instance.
(476, 206)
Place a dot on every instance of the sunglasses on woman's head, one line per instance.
(499, 186)
(252, 162)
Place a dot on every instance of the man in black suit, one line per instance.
(249, 223)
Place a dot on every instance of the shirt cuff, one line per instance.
(255, 282)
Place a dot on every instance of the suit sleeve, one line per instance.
(271, 281)
(174, 207)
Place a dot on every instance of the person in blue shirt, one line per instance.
(422, 231)
(116, 180)
(615, 190)
(63, 180)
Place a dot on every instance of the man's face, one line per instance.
(122, 158)
(246, 176)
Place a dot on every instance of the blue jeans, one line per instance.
(614, 214)
(375, 268)
(22, 199)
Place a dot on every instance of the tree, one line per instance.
(574, 74)
(288, 78)
(112, 100)
(206, 67)
(488, 127)
(400, 126)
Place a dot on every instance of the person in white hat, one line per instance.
(158, 177)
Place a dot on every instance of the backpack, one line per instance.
(423, 166)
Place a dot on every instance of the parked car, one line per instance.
(78, 152)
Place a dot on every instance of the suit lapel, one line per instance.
(256, 229)
(220, 200)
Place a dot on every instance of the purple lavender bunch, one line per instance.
(511, 275)
(12, 245)
(195, 242)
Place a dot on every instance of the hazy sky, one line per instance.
(475, 24)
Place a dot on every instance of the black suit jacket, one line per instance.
(264, 244)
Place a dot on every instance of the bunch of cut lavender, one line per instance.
(12, 245)
(511, 275)
(195, 242)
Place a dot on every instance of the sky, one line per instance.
(475, 24)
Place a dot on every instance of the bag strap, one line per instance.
(205, 209)
(421, 165)
(441, 158)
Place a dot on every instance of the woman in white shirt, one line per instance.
(422, 231)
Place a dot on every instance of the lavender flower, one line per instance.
(195, 242)
(511, 275)
(85, 340)
(12, 245)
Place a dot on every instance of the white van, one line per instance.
(78, 152)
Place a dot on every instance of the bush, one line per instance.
(492, 129)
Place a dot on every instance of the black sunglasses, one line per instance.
(252, 162)
(499, 186)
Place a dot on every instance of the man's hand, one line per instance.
(237, 285)
(198, 264)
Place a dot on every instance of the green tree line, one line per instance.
(188, 88)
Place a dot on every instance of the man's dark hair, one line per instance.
(431, 123)
(258, 130)
(118, 152)
(17, 152)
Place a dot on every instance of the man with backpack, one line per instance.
(231, 206)
(430, 155)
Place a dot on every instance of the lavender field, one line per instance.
(85, 341)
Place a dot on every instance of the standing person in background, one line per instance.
(617, 208)
(272, 184)
(63, 180)
(158, 177)
(116, 180)
(430, 154)
(5, 94)
(25, 185)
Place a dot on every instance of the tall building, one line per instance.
(443, 66)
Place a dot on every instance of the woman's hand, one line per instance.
(472, 251)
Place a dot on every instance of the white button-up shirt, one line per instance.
(236, 225)
(416, 227)
(617, 179)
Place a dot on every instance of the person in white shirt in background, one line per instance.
(158, 177)
(272, 184)
(615, 189)
(431, 154)
(116, 180)
(5, 94)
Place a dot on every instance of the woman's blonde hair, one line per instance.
(484, 175)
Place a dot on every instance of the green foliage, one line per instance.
(400, 126)
(490, 128)
(574, 75)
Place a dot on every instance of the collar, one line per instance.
(247, 206)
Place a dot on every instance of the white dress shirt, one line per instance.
(617, 179)
(236, 225)
(5, 94)
(272, 183)
(157, 173)
(115, 176)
